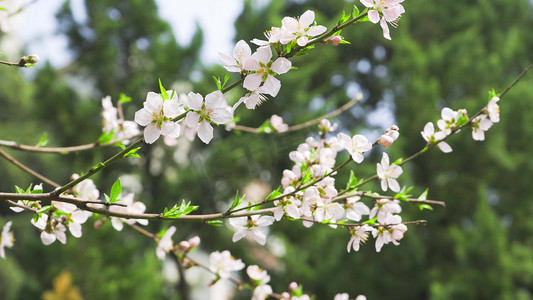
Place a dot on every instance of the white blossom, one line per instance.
(157, 115)
(213, 109)
(388, 174)
(251, 227)
(132, 207)
(300, 29)
(6, 239)
(480, 124)
(240, 53)
(384, 208)
(263, 69)
(165, 243)
(384, 11)
(356, 145)
(355, 209)
(222, 263)
(431, 136)
(278, 124)
(359, 235)
(494, 110)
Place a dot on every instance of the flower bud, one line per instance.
(293, 286)
(194, 242)
(185, 245)
(333, 40)
(29, 60)
(385, 140)
(285, 295)
(390, 135)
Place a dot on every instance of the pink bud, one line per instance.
(385, 140)
(293, 286)
(195, 241)
(334, 40)
(185, 245)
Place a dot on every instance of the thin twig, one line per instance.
(28, 170)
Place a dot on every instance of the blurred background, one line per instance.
(444, 53)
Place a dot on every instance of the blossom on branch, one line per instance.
(236, 63)
(388, 174)
(251, 227)
(356, 145)
(157, 115)
(132, 207)
(165, 244)
(260, 279)
(384, 11)
(432, 137)
(222, 263)
(264, 71)
(359, 235)
(213, 109)
(480, 124)
(493, 110)
(300, 29)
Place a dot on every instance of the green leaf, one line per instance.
(307, 177)
(176, 211)
(133, 153)
(372, 221)
(43, 141)
(163, 90)
(398, 161)
(116, 189)
(123, 98)
(424, 195)
(19, 190)
(492, 93)
(274, 194)
(352, 181)
(44, 209)
(266, 127)
(106, 137)
(403, 193)
(355, 13)
(365, 18)
(342, 18)
(237, 201)
(226, 78)
(217, 82)
(216, 223)
(423, 206)
(343, 41)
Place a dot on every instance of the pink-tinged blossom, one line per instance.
(432, 137)
(157, 115)
(356, 145)
(300, 29)
(278, 124)
(264, 71)
(236, 63)
(165, 243)
(6, 239)
(390, 135)
(493, 110)
(388, 174)
(288, 205)
(213, 109)
(384, 208)
(385, 235)
(131, 207)
(384, 11)
(327, 211)
(222, 263)
(359, 235)
(355, 209)
(480, 124)
(251, 227)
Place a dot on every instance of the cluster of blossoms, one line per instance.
(113, 124)
(452, 120)
(160, 112)
(321, 202)
(384, 12)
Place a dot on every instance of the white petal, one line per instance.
(221, 115)
(75, 230)
(263, 54)
(373, 16)
(272, 86)
(368, 3)
(154, 102)
(47, 238)
(307, 18)
(192, 119)
(117, 224)
(241, 51)
(281, 65)
(170, 129)
(151, 133)
(316, 30)
(444, 147)
(205, 132)
(172, 108)
(195, 101)
(289, 24)
(252, 81)
(143, 117)
(239, 234)
(394, 185)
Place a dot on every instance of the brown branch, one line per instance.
(28, 170)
